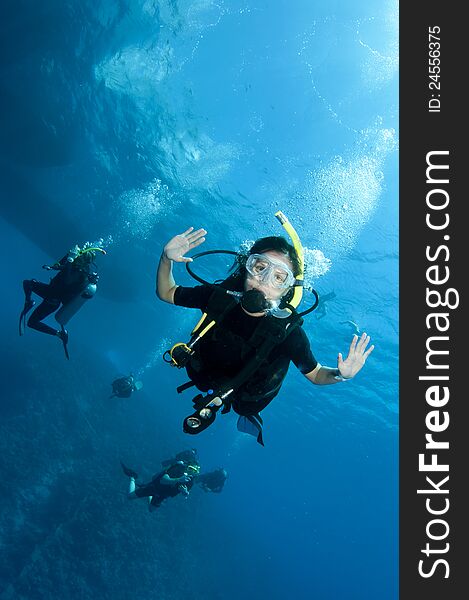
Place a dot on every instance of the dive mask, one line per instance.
(270, 271)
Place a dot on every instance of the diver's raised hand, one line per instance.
(357, 355)
(180, 244)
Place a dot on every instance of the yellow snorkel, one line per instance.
(298, 292)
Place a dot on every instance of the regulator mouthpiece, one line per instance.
(254, 301)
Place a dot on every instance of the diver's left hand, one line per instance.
(357, 355)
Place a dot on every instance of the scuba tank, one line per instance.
(66, 312)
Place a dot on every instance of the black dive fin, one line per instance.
(251, 424)
(64, 337)
(27, 307)
(128, 471)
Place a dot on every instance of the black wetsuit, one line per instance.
(70, 281)
(221, 357)
(159, 491)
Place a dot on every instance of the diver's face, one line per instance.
(271, 292)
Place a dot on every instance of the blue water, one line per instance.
(132, 121)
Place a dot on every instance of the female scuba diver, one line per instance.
(241, 349)
(71, 287)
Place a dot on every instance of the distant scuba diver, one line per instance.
(240, 350)
(66, 293)
(212, 481)
(124, 386)
(178, 477)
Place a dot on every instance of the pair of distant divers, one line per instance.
(250, 331)
(178, 476)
